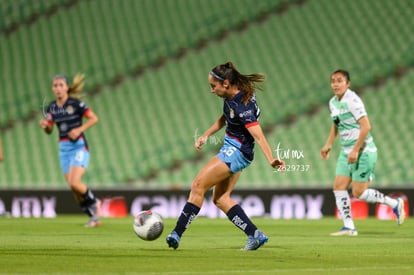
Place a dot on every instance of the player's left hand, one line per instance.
(278, 163)
(74, 133)
(353, 157)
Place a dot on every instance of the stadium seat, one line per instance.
(148, 123)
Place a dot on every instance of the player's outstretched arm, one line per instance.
(257, 133)
(217, 125)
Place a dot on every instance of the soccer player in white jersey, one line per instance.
(357, 159)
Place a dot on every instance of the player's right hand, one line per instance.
(44, 123)
(325, 152)
(200, 142)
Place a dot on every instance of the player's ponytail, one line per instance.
(77, 85)
(247, 83)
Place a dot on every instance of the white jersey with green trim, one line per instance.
(345, 114)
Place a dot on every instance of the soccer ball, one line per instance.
(148, 225)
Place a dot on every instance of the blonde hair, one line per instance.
(77, 85)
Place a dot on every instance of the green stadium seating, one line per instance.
(111, 38)
(148, 124)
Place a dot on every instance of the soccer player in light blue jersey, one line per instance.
(357, 159)
(67, 111)
(240, 117)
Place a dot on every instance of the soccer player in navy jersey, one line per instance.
(240, 117)
(67, 112)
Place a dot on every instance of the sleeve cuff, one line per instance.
(251, 124)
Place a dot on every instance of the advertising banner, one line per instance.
(276, 204)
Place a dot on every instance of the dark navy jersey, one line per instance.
(67, 117)
(239, 117)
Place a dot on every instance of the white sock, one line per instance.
(375, 196)
(343, 203)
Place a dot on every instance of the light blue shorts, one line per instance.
(232, 156)
(73, 154)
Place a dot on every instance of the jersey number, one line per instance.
(229, 151)
(79, 156)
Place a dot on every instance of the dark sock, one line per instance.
(88, 199)
(189, 212)
(237, 216)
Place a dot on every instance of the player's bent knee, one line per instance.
(196, 197)
(216, 201)
(197, 187)
(223, 202)
(75, 185)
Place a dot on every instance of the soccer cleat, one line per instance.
(95, 210)
(399, 211)
(93, 222)
(173, 240)
(345, 231)
(256, 241)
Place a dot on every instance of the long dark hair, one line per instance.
(247, 83)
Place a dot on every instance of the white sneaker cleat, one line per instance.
(345, 231)
(399, 211)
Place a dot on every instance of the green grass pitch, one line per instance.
(210, 246)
